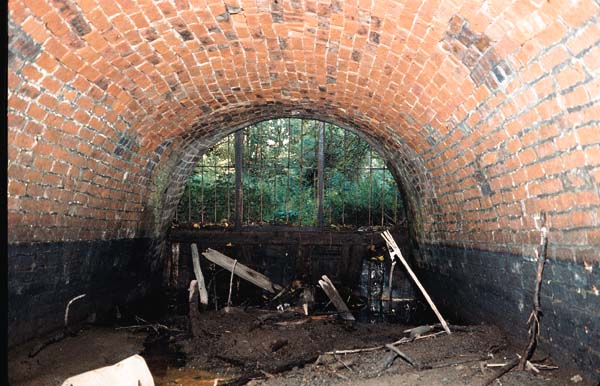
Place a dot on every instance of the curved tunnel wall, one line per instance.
(487, 110)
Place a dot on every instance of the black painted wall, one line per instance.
(43, 277)
(480, 286)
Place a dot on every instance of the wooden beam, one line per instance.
(256, 278)
(335, 298)
(199, 276)
(395, 251)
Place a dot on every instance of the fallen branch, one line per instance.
(534, 318)
(398, 353)
(453, 363)
(375, 348)
(500, 372)
(395, 252)
(279, 369)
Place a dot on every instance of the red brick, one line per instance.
(571, 74)
(588, 134)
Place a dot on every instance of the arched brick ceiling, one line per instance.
(491, 106)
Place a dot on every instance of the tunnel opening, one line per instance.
(306, 199)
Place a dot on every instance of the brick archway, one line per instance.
(488, 110)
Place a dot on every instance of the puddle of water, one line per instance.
(188, 377)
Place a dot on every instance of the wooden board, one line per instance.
(335, 298)
(256, 278)
(199, 276)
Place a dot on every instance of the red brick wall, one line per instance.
(489, 110)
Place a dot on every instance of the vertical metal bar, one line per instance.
(262, 172)
(227, 170)
(396, 207)
(321, 172)
(382, 187)
(215, 192)
(189, 204)
(274, 170)
(345, 173)
(202, 192)
(287, 192)
(370, 182)
(330, 130)
(239, 170)
(300, 173)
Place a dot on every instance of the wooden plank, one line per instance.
(335, 298)
(395, 251)
(199, 276)
(256, 278)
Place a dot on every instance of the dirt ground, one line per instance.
(259, 347)
(93, 347)
(248, 343)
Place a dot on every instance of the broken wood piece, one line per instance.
(499, 372)
(256, 278)
(192, 290)
(292, 322)
(416, 332)
(529, 365)
(130, 371)
(335, 298)
(308, 298)
(395, 252)
(244, 379)
(199, 275)
(194, 312)
(397, 353)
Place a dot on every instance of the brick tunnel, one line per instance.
(486, 112)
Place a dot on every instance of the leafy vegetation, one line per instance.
(280, 179)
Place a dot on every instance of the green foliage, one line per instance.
(280, 178)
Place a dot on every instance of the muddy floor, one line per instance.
(259, 347)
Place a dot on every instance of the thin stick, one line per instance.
(402, 355)
(358, 350)
(395, 251)
(500, 372)
(390, 285)
(230, 285)
(68, 306)
(534, 321)
(375, 348)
